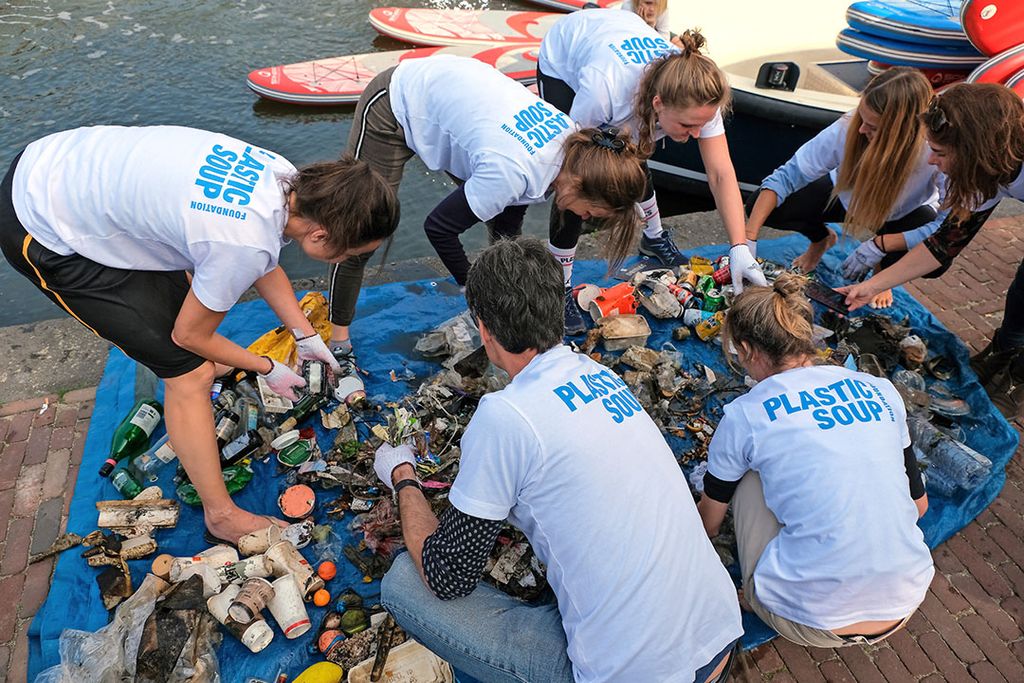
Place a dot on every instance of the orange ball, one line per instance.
(321, 598)
(327, 570)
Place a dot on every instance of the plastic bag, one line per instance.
(279, 343)
(108, 655)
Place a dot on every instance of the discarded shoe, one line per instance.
(663, 249)
(574, 324)
(350, 389)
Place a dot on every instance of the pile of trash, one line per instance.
(182, 599)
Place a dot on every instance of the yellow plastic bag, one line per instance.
(279, 343)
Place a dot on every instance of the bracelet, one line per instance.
(406, 483)
(879, 241)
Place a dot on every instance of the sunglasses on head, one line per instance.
(935, 116)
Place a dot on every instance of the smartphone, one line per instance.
(826, 296)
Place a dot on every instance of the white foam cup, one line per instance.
(288, 608)
(255, 635)
(257, 542)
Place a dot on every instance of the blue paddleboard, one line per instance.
(903, 53)
(929, 22)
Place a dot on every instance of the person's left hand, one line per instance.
(862, 260)
(389, 457)
(742, 266)
(314, 348)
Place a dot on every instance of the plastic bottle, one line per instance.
(145, 466)
(125, 484)
(952, 466)
(132, 435)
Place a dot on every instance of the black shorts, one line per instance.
(134, 310)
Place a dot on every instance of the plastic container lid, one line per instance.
(284, 440)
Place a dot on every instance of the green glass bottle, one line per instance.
(132, 435)
(125, 484)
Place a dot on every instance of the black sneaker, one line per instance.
(573, 318)
(663, 249)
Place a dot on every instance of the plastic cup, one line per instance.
(255, 635)
(253, 596)
(211, 582)
(288, 608)
(285, 558)
(255, 566)
(257, 542)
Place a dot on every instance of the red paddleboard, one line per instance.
(993, 26)
(939, 78)
(573, 5)
(1016, 83)
(341, 80)
(1000, 68)
(461, 26)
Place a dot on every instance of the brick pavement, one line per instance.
(40, 451)
(968, 629)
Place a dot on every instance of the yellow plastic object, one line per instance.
(322, 672)
(279, 343)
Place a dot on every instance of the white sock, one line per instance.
(649, 211)
(565, 258)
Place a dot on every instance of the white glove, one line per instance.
(862, 260)
(743, 266)
(283, 380)
(314, 348)
(388, 458)
(752, 246)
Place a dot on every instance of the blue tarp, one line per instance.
(391, 318)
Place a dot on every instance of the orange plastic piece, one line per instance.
(327, 570)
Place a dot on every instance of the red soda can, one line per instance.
(722, 275)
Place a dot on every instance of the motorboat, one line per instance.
(789, 81)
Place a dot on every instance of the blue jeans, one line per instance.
(489, 635)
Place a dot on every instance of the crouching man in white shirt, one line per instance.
(567, 454)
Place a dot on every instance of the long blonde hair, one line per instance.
(604, 167)
(681, 80)
(875, 171)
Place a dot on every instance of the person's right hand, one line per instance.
(283, 380)
(859, 294)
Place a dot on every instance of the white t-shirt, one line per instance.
(464, 117)
(601, 54)
(566, 454)
(828, 444)
(160, 198)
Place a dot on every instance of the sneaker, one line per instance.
(1005, 385)
(350, 389)
(663, 249)
(988, 362)
(573, 318)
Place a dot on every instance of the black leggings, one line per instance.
(807, 210)
(565, 227)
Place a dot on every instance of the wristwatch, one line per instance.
(407, 482)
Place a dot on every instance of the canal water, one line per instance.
(72, 63)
